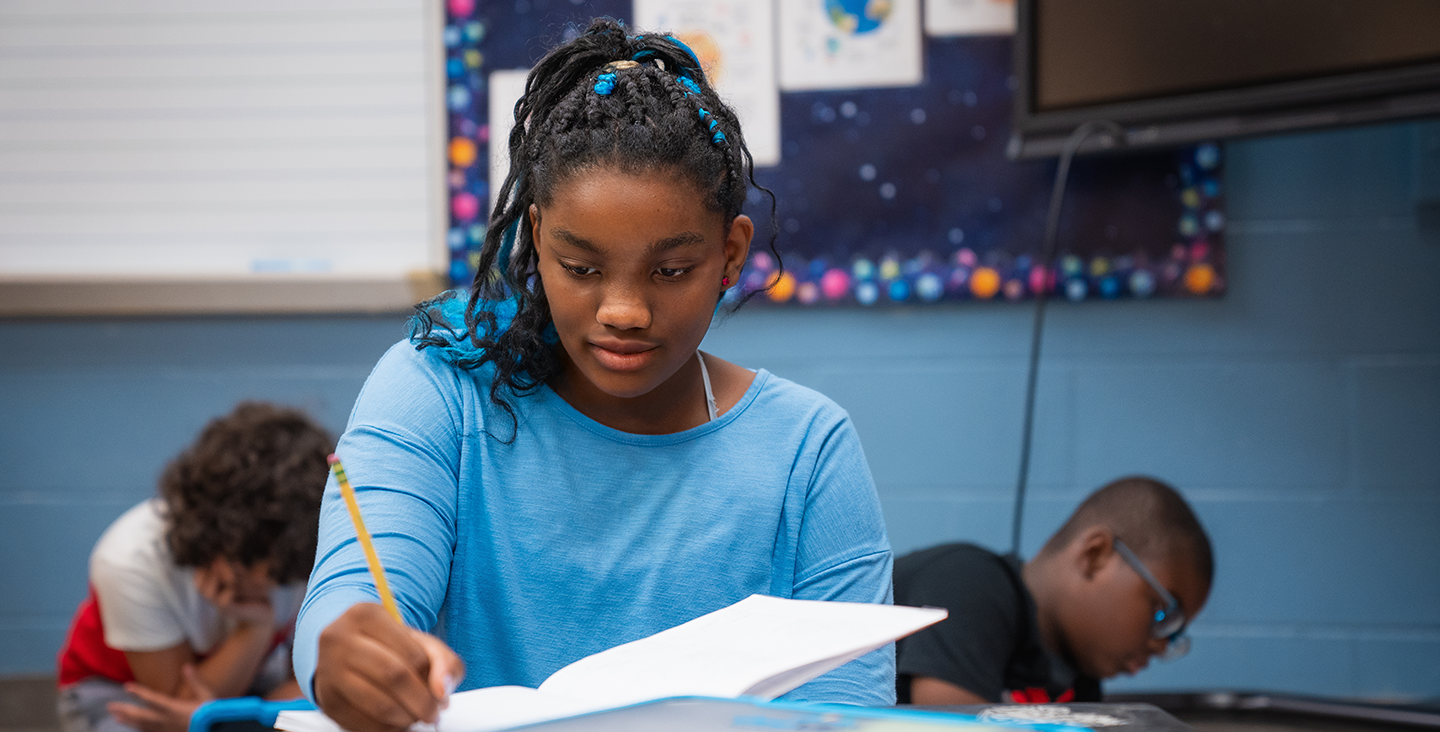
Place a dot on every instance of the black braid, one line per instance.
(649, 122)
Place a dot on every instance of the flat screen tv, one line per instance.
(1177, 71)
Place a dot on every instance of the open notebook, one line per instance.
(760, 647)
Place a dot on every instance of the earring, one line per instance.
(725, 281)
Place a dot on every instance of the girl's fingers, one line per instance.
(446, 668)
(373, 672)
(369, 708)
(402, 681)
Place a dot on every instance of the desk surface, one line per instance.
(1146, 717)
(1103, 717)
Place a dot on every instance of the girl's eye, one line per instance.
(672, 272)
(578, 271)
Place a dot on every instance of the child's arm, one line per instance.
(231, 666)
(228, 670)
(933, 691)
(288, 689)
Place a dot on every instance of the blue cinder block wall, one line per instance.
(1300, 414)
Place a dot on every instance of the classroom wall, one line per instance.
(1300, 414)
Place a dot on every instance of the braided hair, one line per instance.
(637, 104)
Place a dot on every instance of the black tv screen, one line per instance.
(1175, 71)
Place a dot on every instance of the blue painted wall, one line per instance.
(1300, 414)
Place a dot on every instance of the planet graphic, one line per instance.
(984, 283)
(835, 283)
(854, 17)
(782, 286)
(462, 152)
(1199, 278)
(465, 206)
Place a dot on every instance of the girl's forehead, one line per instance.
(611, 174)
(617, 208)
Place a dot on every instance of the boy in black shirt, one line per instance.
(1114, 586)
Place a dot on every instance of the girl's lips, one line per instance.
(623, 357)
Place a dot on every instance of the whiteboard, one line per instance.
(202, 156)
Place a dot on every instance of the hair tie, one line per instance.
(605, 82)
(686, 49)
(718, 137)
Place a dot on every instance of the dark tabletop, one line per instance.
(1102, 717)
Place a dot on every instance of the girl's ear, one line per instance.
(737, 246)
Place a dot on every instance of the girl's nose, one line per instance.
(622, 308)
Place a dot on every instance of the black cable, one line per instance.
(1114, 135)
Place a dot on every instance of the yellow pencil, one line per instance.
(371, 558)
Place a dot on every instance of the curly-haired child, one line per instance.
(194, 593)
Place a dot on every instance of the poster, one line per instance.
(849, 44)
(969, 17)
(735, 41)
(506, 88)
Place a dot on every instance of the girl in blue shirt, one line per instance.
(552, 467)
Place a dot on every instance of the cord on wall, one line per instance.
(1111, 135)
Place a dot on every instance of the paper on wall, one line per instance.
(845, 44)
(735, 41)
(969, 17)
(505, 89)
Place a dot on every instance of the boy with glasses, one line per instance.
(1117, 584)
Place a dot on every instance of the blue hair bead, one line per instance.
(605, 83)
(690, 84)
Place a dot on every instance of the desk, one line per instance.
(1103, 717)
(1245, 712)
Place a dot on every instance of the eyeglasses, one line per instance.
(1169, 622)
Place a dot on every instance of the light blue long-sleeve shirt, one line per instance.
(574, 537)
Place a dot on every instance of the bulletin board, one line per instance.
(890, 193)
(210, 157)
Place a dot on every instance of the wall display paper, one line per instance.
(895, 195)
(844, 44)
(969, 17)
(735, 41)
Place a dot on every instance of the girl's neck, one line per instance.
(676, 405)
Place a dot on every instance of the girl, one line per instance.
(553, 468)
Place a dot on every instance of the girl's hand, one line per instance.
(376, 675)
(161, 713)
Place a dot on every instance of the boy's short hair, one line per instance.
(248, 490)
(1149, 516)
